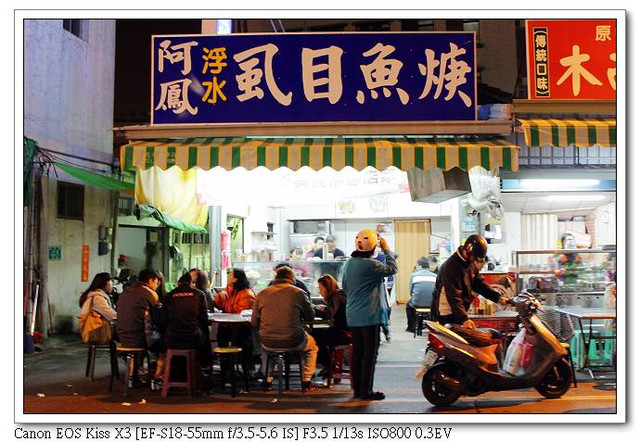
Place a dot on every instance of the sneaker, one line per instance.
(308, 387)
(156, 384)
(373, 396)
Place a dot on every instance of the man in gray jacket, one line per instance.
(421, 287)
(279, 311)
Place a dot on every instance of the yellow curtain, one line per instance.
(171, 191)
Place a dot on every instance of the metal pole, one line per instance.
(215, 230)
(116, 208)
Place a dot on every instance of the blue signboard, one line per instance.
(421, 76)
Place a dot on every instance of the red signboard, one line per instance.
(85, 263)
(571, 59)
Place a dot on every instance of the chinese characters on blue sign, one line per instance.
(313, 77)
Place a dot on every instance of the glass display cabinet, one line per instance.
(260, 273)
(566, 277)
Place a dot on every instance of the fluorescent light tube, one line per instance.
(557, 184)
(575, 198)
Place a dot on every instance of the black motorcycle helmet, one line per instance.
(476, 245)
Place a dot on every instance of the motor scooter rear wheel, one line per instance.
(557, 381)
(435, 390)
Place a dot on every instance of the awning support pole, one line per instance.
(215, 230)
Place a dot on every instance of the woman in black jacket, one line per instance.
(334, 308)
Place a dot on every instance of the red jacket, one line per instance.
(235, 302)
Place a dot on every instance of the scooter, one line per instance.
(468, 362)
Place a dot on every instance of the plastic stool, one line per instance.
(338, 371)
(282, 366)
(570, 356)
(230, 354)
(113, 359)
(190, 383)
(421, 314)
(133, 356)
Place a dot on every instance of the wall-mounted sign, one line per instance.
(241, 78)
(55, 253)
(571, 59)
(84, 272)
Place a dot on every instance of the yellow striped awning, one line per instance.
(563, 133)
(316, 153)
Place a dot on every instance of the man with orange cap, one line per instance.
(363, 282)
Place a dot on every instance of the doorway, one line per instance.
(412, 240)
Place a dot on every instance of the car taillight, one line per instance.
(435, 343)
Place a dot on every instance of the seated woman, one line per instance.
(200, 281)
(237, 297)
(96, 297)
(334, 309)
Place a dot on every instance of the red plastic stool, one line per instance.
(192, 366)
(338, 370)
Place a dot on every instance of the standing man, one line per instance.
(279, 311)
(421, 285)
(327, 267)
(458, 277)
(363, 282)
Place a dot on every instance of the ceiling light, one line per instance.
(575, 198)
(557, 184)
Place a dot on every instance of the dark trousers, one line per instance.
(411, 315)
(238, 335)
(325, 339)
(366, 341)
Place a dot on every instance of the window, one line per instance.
(125, 206)
(70, 201)
(328, 28)
(373, 26)
(426, 25)
(75, 27)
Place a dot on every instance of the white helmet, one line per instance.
(366, 240)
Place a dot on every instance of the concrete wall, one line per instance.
(64, 282)
(69, 84)
(68, 108)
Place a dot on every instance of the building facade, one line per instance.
(68, 113)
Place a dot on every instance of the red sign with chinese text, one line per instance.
(571, 59)
(84, 275)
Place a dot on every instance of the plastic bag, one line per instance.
(513, 358)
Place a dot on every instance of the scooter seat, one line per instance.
(479, 337)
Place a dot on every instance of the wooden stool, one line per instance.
(113, 359)
(131, 356)
(338, 371)
(421, 314)
(282, 365)
(231, 355)
(192, 365)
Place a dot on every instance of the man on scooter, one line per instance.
(458, 277)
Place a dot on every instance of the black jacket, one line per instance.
(336, 310)
(184, 314)
(459, 280)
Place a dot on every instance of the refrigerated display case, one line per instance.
(260, 273)
(562, 279)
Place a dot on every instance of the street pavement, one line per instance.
(55, 383)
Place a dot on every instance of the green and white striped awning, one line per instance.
(316, 153)
(563, 133)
